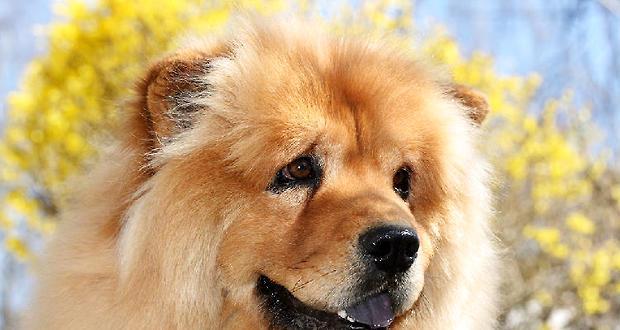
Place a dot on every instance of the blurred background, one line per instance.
(551, 70)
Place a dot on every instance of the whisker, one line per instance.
(312, 280)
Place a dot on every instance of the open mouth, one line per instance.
(287, 312)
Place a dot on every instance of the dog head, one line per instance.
(299, 181)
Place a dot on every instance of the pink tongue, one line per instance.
(375, 311)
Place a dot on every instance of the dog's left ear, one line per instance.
(166, 90)
(475, 102)
(166, 97)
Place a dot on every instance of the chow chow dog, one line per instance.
(280, 178)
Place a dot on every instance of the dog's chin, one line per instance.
(284, 311)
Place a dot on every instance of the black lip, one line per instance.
(284, 311)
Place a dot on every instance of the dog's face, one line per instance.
(300, 183)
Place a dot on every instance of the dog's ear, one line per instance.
(475, 102)
(166, 89)
(165, 97)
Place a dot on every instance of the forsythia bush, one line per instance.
(558, 202)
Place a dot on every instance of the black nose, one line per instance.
(393, 249)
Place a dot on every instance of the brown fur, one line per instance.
(174, 226)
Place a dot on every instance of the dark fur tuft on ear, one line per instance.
(476, 102)
(163, 105)
(165, 90)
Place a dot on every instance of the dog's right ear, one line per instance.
(164, 104)
(475, 102)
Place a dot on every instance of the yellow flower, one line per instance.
(5, 222)
(579, 223)
(17, 247)
(592, 301)
(615, 261)
(544, 297)
(615, 193)
(559, 250)
(20, 202)
(544, 235)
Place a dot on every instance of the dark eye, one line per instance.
(299, 169)
(302, 171)
(402, 182)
